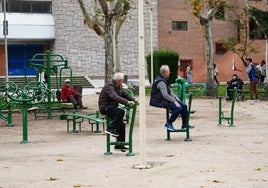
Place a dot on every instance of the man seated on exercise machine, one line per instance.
(162, 96)
(112, 94)
(68, 93)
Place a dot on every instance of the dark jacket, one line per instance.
(235, 83)
(111, 95)
(157, 99)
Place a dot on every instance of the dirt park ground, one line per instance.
(217, 156)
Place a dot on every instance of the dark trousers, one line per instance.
(76, 100)
(215, 79)
(230, 92)
(175, 111)
(116, 114)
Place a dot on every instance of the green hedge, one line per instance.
(263, 91)
(163, 57)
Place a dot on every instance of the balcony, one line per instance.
(28, 27)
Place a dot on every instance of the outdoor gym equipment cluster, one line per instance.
(34, 93)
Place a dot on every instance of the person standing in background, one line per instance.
(263, 71)
(253, 81)
(216, 71)
(189, 77)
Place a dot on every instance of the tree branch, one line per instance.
(104, 7)
(89, 22)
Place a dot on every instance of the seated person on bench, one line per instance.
(68, 93)
(111, 95)
(235, 82)
(162, 96)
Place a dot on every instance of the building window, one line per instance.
(26, 6)
(254, 30)
(179, 26)
(220, 49)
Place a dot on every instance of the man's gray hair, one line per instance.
(164, 68)
(118, 76)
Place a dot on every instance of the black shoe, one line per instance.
(76, 106)
(81, 106)
(121, 148)
(112, 132)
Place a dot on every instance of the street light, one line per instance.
(152, 54)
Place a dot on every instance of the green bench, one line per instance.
(75, 118)
(94, 118)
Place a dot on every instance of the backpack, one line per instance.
(257, 72)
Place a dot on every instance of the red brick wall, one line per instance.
(191, 45)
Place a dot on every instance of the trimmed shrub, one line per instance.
(163, 57)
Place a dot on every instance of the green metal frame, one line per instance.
(53, 62)
(182, 89)
(97, 114)
(132, 111)
(76, 118)
(5, 104)
(222, 116)
(32, 93)
(187, 130)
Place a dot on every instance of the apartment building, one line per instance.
(35, 26)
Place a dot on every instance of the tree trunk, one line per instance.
(211, 87)
(117, 54)
(109, 53)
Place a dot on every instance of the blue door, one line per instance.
(18, 56)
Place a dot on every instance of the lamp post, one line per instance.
(142, 119)
(152, 54)
(5, 33)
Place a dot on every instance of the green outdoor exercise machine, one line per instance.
(185, 91)
(50, 63)
(131, 111)
(222, 116)
(32, 93)
(182, 89)
(5, 104)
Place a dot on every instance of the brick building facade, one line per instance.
(190, 42)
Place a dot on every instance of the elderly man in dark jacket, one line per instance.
(162, 96)
(111, 95)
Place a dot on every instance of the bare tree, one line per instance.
(108, 18)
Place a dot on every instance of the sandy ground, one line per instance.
(217, 156)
